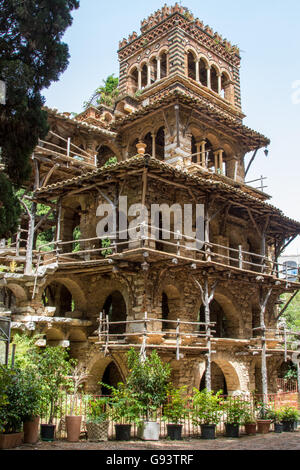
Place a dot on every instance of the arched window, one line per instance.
(214, 79)
(115, 307)
(57, 295)
(153, 65)
(203, 72)
(163, 65)
(144, 73)
(133, 81)
(217, 316)
(191, 66)
(160, 144)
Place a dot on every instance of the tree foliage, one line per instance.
(292, 313)
(32, 56)
(105, 94)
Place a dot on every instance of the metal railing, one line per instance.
(190, 429)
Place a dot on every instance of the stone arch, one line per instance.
(96, 370)
(54, 335)
(229, 371)
(115, 308)
(13, 295)
(77, 335)
(77, 294)
(222, 305)
(171, 302)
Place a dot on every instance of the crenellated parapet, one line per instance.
(163, 20)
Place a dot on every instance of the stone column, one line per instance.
(153, 145)
(158, 69)
(208, 78)
(139, 79)
(219, 84)
(203, 153)
(197, 71)
(148, 74)
(198, 150)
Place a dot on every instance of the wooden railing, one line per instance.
(176, 247)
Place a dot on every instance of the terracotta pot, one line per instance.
(263, 426)
(250, 429)
(31, 431)
(73, 426)
(11, 441)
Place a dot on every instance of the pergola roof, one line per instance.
(208, 183)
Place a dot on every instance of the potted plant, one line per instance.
(207, 409)
(11, 413)
(175, 411)
(97, 420)
(125, 410)
(276, 417)
(289, 415)
(263, 418)
(73, 420)
(31, 405)
(249, 422)
(148, 380)
(235, 413)
(53, 367)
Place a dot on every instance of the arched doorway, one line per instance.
(218, 380)
(170, 307)
(103, 370)
(7, 299)
(115, 308)
(217, 316)
(110, 377)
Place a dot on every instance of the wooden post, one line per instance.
(264, 372)
(206, 231)
(178, 339)
(177, 125)
(30, 239)
(240, 257)
(206, 300)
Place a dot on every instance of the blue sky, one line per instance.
(267, 32)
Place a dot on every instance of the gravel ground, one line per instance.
(271, 441)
